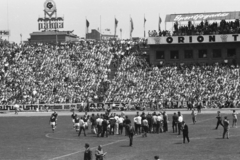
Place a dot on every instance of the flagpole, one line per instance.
(121, 33)
(21, 37)
(114, 26)
(159, 22)
(8, 21)
(100, 27)
(86, 27)
(130, 27)
(144, 25)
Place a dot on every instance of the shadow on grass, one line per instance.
(219, 138)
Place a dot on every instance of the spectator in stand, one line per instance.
(45, 73)
(203, 28)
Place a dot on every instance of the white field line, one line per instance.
(66, 155)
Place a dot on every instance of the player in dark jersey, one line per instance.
(85, 119)
(56, 116)
(77, 124)
(73, 116)
(52, 122)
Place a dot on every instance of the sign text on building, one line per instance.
(194, 39)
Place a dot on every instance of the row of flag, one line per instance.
(131, 26)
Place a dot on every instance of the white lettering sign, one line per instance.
(194, 39)
(199, 16)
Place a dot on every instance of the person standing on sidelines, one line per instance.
(99, 125)
(226, 127)
(145, 127)
(199, 107)
(159, 123)
(112, 122)
(126, 123)
(174, 122)
(135, 122)
(131, 133)
(139, 124)
(150, 122)
(154, 120)
(194, 116)
(16, 106)
(165, 122)
(116, 124)
(82, 127)
(87, 152)
(219, 119)
(94, 123)
(234, 114)
(120, 122)
(185, 132)
(99, 153)
(180, 120)
(104, 127)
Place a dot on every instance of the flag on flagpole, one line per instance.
(121, 33)
(87, 25)
(159, 24)
(115, 28)
(131, 27)
(144, 26)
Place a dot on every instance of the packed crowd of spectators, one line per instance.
(203, 28)
(137, 82)
(79, 72)
(45, 73)
(206, 28)
(154, 33)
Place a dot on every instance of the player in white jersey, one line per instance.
(145, 127)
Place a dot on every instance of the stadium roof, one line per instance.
(202, 16)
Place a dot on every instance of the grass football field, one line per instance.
(30, 137)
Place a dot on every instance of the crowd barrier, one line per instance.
(68, 106)
(106, 105)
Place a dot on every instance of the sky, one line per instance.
(20, 16)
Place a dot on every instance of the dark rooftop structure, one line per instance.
(52, 37)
